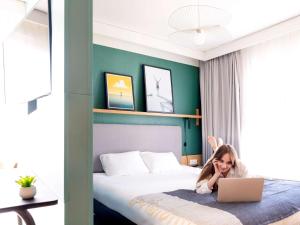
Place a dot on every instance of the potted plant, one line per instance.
(27, 189)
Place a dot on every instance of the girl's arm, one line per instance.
(213, 180)
(216, 175)
(206, 186)
(202, 188)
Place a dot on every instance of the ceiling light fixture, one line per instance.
(194, 23)
(199, 37)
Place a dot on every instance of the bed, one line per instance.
(169, 198)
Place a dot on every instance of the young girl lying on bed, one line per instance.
(223, 163)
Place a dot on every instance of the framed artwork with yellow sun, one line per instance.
(119, 91)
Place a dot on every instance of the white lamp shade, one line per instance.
(198, 25)
(199, 37)
(211, 37)
(198, 16)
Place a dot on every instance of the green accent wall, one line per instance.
(186, 92)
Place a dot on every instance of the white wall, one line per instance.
(26, 60)
(141, 49)
(37, 140)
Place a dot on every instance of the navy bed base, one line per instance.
(106, 216)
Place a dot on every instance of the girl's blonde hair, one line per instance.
(209, 169)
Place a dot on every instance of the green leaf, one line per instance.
(26, 181)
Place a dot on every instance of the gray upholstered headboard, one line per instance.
(115, 138)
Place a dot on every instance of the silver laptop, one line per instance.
(240, 189)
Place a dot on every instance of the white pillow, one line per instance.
(127, 163)
(160, 162)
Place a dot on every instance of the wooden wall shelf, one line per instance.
(137, 113)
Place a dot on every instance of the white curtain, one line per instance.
(221, 100)
(271, 105)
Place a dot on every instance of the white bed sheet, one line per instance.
(115, 192)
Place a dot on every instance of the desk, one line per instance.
(11, 201)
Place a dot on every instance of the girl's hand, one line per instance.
(216, 176)
(215, 163)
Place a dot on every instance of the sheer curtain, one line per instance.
(221, 100)
(271, 104)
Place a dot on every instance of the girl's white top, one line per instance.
(239, 171)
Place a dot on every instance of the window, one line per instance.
(271, 108)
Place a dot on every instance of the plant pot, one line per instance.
(27, 192)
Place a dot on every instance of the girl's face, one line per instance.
(225, 163)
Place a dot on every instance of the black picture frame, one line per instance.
(115, 83)
(158, 89)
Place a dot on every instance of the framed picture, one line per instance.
(119, 91)
(158, 85)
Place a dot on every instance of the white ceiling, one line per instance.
(145, 22)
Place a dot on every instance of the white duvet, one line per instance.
(116, 192)
(131, 196)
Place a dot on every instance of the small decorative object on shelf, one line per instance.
(27, 189)
(191, 160)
